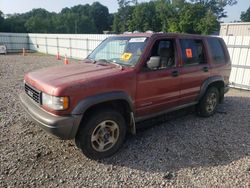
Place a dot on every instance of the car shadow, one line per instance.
(183, 140)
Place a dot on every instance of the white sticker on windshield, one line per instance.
(142, 39)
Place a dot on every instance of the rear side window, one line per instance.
(193, 52)
(216, 50)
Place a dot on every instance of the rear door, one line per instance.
(195, 68)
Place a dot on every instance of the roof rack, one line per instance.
(127, 32)
(149, 31)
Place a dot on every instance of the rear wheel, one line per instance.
(102, 134)
(208, 103)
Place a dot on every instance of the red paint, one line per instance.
(151, 91)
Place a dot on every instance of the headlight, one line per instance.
(55, 103)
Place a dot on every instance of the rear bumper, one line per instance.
(64, 127)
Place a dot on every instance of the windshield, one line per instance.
(121, 50)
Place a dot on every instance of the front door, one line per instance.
(158, 88)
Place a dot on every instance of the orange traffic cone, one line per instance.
(24, 53)
(66, 61)
(58, 56)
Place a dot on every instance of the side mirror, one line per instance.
(154, 62)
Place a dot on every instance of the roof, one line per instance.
(163, 34)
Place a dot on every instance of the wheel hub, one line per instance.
(105, 136)
(211, 102)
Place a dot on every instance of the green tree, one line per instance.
(125, 3)
(245, 16)
(15, 23)
(1, 21)
(75, 20)
(208, 24)
(216, 6)
(195, 18)
(168, 15)
(144, 17)
(100, 16)
(122, 19)
(178, 3)
(38, 21)
(191, 16)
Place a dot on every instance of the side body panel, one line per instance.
(157, 90)
(193, 76)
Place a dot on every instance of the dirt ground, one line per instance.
(176, 150)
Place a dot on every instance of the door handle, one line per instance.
(175, 73)
(205, 69)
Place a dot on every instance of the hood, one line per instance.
(53, 78)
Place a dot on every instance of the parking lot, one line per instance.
(179, 149)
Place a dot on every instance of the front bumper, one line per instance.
(64, 127)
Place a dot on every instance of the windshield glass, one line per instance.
(121, 50)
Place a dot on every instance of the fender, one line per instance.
(206, 83)
(84, 104)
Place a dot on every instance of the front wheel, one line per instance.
(207, 105)
(102, 134)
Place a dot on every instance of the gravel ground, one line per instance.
(176, 150)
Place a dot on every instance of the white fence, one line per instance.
(239, 50)
(74, 46)
(15, 42)
(80, 45)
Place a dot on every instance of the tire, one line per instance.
(102, 134)
(208, 103)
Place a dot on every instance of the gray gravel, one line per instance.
(176, 150)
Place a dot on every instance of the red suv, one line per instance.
(126, 79)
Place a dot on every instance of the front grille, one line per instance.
(33, 93)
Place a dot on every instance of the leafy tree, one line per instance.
(122, 19)
(125, 3)
(208, 24)
(100, 15)
(168, 14)
(216, 6)
(195, 19)
(93, 18)
(37, 25)
(75, 22)
(1, 21)
(188, 16)
(245, 16)
(15, 23)
(38, 21)
(123, 16)
(199, 17)
(144, 18)
(83, 10)
(178, 3)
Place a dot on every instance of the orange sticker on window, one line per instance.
(126, 56)
(189, 53)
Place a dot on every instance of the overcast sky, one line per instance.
(21, 6)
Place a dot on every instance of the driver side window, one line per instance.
(164, 52)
